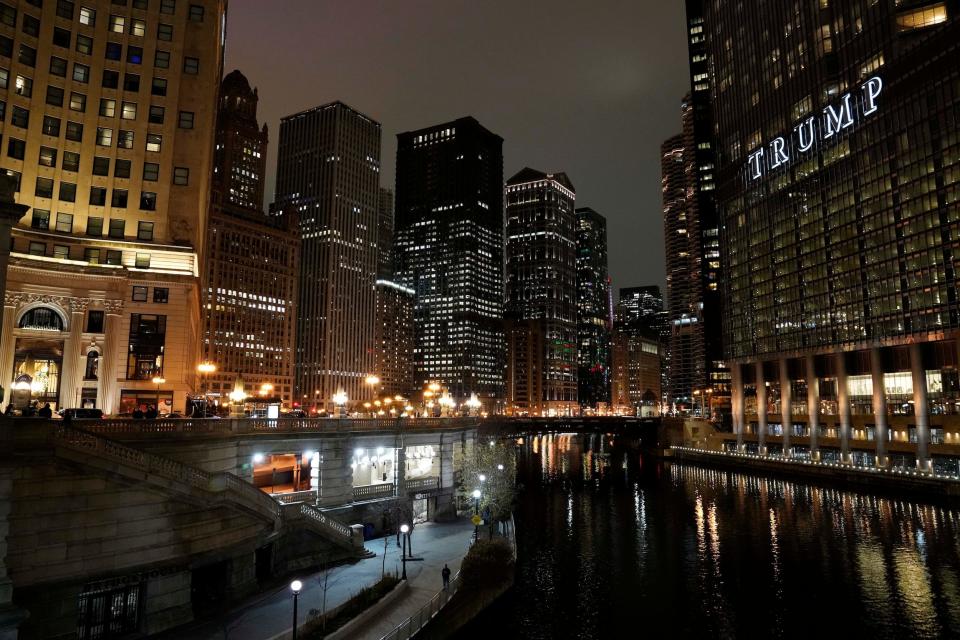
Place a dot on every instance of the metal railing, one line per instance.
(309, 495)
(421, 484)
(418, 620)
(372, 491)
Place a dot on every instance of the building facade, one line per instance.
(594, 313)
(524, 373)
(252, 264)
(328, 173)
(110, 139)
(839, 190)
(393, 355)
(448, 248)
(385, 234)
(635, 372)
(541, 277)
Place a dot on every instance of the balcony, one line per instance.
(373, 491)
(422, 484)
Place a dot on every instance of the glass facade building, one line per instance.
(594, 313)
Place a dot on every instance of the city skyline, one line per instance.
(580, 117)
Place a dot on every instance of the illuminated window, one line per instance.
(922, 17)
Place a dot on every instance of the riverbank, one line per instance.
(864, 478)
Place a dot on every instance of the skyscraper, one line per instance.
(328, 174)
(594, 315)
(393, 353)
(449, 250)
(635, 372)
(542, 276)
(252, 264)
(838, 188)
(109, 133)
(640, 318)
(385, 235)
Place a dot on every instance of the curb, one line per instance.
(346, 630)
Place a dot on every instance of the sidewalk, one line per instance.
(271, 613)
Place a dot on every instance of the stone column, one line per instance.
(879, 407)
(843, 407)
(109, 399)
(8, 346)
(920, 409)
(736, 402)
(813, 407)
(761, 410)
(69, 370)
(786, 408)
(336, 475)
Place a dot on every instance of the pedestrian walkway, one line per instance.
(270, 614)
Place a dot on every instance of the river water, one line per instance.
(615, 545)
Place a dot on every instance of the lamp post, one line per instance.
(295, 586)
(205, 368)
(372, 381)
(158, 380)
(473, 403)
(405, 530)
(476, 512)
(340, 400)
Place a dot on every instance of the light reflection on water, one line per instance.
(610, 541)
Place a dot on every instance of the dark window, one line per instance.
(74, 131)
(54, 96)
(17, 176)
(65, 9)
(141, 4)
(84, 44)
(135, 55)
(81, 73)
(159, 87)
(95, 226)
(111, 79)
(94, 321)
(131, 82)
(156, 114)
(168, 6)
(161, 294)
(8, 15)
(117, 227)
(37, 249)
(101, 166)
(114, 256)
(31, 25)
(16, 148)
(20, 117)
(148, 201)
(147, 338)
(196, 13)
(68, 192)
(93, 358)
(65, 222)
(71, 161)
(41, 219)
(27, 56)
(41, 318)
(125, 140)
(4, 78)
(119, 199)
(145, 231)
(164, 32)
(44, 188)
(151, 171)
(6, 47)
(114, 51)
(61, 37)
(181, 176)
(3, 110)
(139, 294)
(191, 65)
(161, 59)
(48, 157)
(51, 126)
(98, 196)
(121, 169)
(58, 66)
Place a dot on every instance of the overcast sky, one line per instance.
(589, 87)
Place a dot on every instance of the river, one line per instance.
(612, 544)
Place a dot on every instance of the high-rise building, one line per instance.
(328, 173)
(838, 186)
(393, 354)
(252, 263)
(109, 134)
(640, 313)
(448, 248)
(542, 276)
(385, 234)
(594, 315)
(524, 374)
(635, 372)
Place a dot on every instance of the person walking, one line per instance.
(446, 577)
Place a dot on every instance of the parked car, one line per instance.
(294, 413)
(82, 414)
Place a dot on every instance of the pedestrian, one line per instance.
(138, 413)
(45, 411)
(446, 577)
(8, 412)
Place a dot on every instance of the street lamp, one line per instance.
(295, 586)
(340, 399)
(482, 477)
(266, 388)
(476, 512)
(158, 380)
(473, 403)
(205, 368)
(405, 530)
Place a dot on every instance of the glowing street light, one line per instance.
(340, 400)
(295, 586)
(158, 380)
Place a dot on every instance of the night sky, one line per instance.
(587, 87)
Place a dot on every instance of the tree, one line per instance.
(496, 462)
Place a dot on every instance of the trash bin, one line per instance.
(368, 531)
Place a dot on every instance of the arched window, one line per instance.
(93, 360)
(42, 318)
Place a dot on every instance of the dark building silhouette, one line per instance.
(594, 315)
(385, 234)
(838, 185)
(541, 277)
(448, 248)
(328, 172)
(252, 262)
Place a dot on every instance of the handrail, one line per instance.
(416, 484)
(409, 627)
(373, 490)
(130, 426)
(316, 515)
(310, 495)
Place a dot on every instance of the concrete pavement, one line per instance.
(271, 613)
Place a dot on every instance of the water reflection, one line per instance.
(610, 541)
